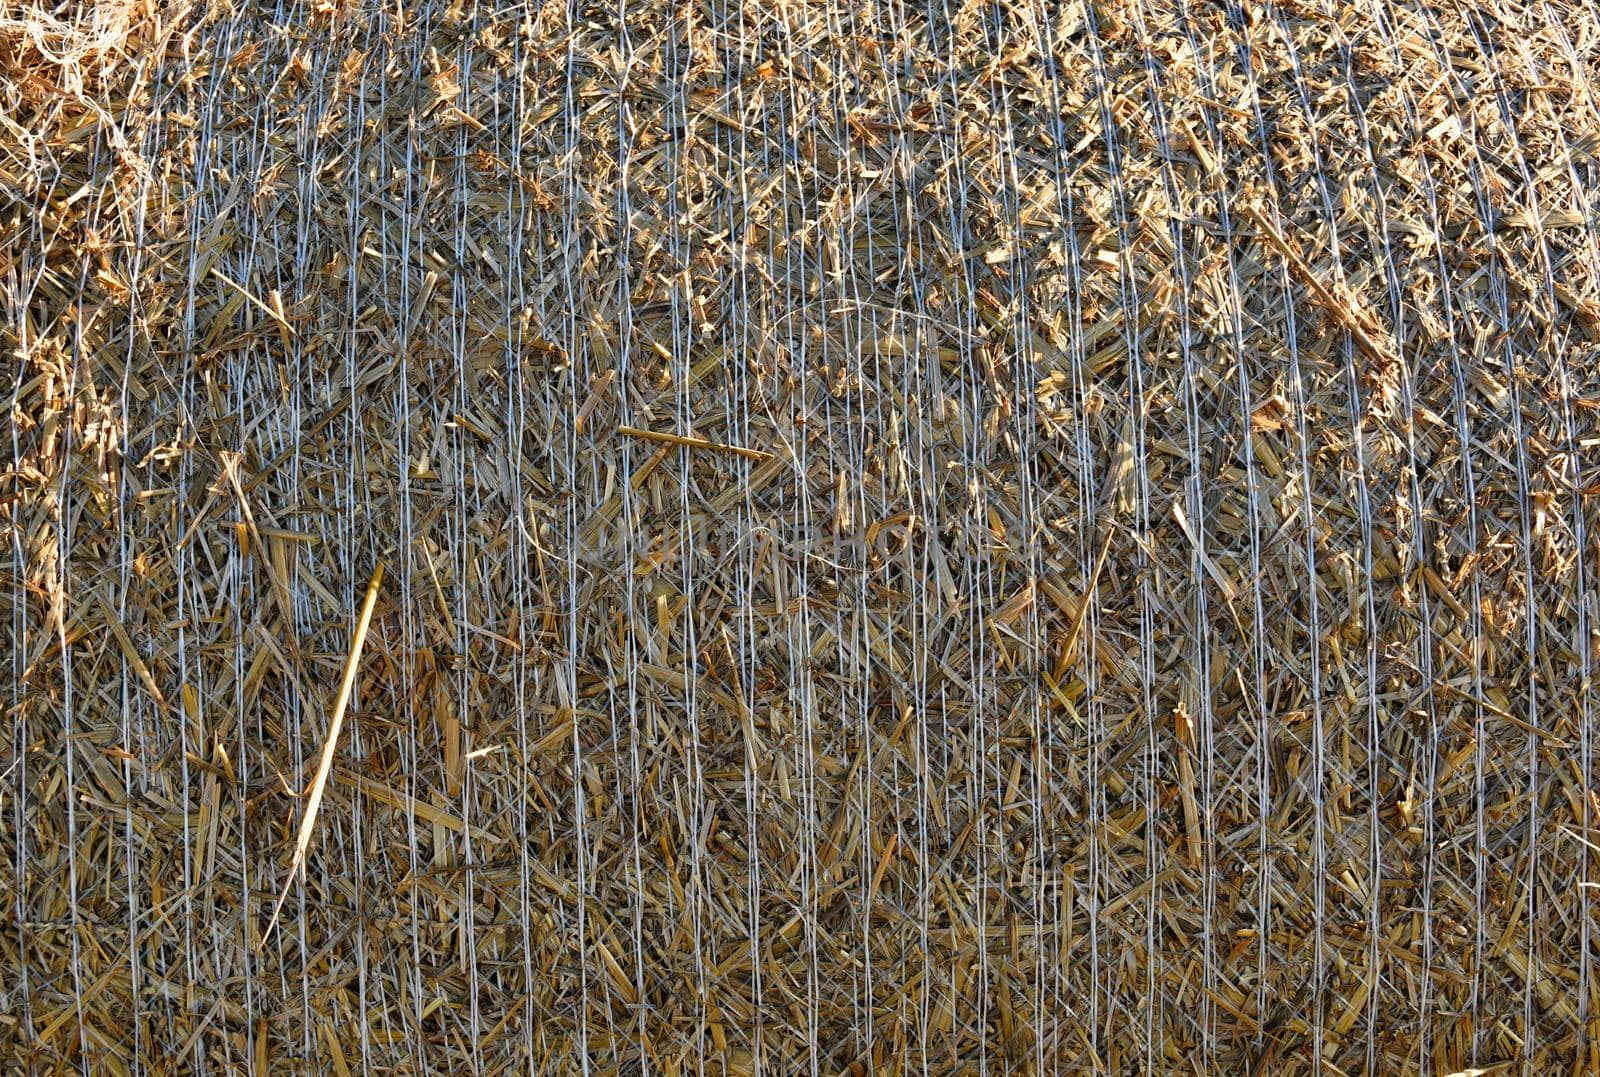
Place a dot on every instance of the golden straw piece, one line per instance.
(693, 443)
(303, 841)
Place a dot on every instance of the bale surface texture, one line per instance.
(916, 538)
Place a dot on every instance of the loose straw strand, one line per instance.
(319, 784)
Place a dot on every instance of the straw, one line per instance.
(917, 538)
(319, 782)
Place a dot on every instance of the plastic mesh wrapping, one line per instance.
(919, 539)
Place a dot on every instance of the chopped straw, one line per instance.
(919, 537)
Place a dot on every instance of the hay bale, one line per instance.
(917, 539)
